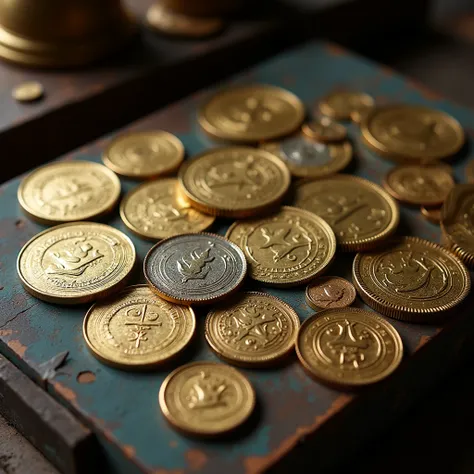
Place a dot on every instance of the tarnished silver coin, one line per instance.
(195, 268)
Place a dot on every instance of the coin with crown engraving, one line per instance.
(195, 268)
(341, 105)
(330, 292)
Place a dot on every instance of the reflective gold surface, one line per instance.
(342, 105)
(28, 91)
(330, 292)
(324, 130)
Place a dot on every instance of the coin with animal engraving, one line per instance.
(136, 329)
(361, 213)
(412, 279)
(195, 268)
(28, 91)
(348, 347)
(68, 191)
(330, 292)
(324, 130)
(206, 399)
(469, 171)
(252, 329)
(76, 263)
(341, 105)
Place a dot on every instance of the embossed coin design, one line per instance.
(431, 214)
(285, 249)
(76, 263)
(157, 210)
(324, 130)
(348, 347)
(252, 113)
(144, 155)
(206, 399)
(195, 268)
(234, 181)
(340, 105)
(409, 133)
(361, 213)
(137, 329)
(69, 191)
(412, 279)
(252, 329)
(469, 171)
(330, 292)
(28, 91)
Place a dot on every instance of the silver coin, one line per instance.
(303, 152)
(195, 268)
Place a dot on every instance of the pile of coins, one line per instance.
(271, 244)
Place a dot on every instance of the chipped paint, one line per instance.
(6, 332)
(129, 451)
(67, 393)
(196, 459)
(423, 341)
(17, 346)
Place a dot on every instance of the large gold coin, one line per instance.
(252, 113)
(252, 329)
(348, 347)
(76, 263)
(410, 133)
(69, 191)
(137, 329)
(341, 105)
(285, 249)
(412, 279)
(361, 213)
(206, 399)
(234, 181)
(157, 210)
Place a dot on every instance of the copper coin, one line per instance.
(330, 292)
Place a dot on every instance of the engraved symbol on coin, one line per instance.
(277, 238)
(253, 110)
(67, 195)
(141, 328)
(207, 392)
(196, 268)
(239, 174)
(330, 292)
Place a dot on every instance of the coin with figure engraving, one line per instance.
(469, 171)
(68, 191)
(195, 268)
(136, 329)
(348, 347)
(411, 279)
(234, 181)
(76, 263)
(252, 329)
(28, 91)
(330, 292)
(431, 214)
(341, 104)
(410, 133)
(157, 210)
(287, 248)
(252, 113)
(324, 130)
(206, 398)
(361, 213)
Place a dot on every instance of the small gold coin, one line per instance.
(330, 292)
(234, 181)
(412, 280)
(157, 210)
(206, 399)
(409, 133)
(469, 171)
(285, 249)
(252, 329)
(360, 213)
(252, 114)
(348, 347)
(340, 105)
(431, 214)
(69, 191)
(137, 329)
(361, 113)
(324, 130)
(76, 263)
(28, 92)
(144, 155)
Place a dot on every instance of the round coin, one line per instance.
(431, 214)
(28, 91)
(324, 130)
(76, 263)
(252, 329)
(206, 399)
(361, 213)
(348, 347)
(144, 155)
(252, 114)
(195, 268)
(330, 292)
(137, 329)
(234, 181)
(68, 191)
(340, 105)
(285, 249)
(469, 171)
(412, 280)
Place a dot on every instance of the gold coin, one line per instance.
(68, 191)
(252, 114)
(157, 210)
(234, 181)
(361, 113)
(469, 171)
(324, 130)
(28, 92)
(360, 213)
(412, 280)
(410, 133)
(206, 399)
(330, 292)
(431, 214)
(421, 185)
(252, 329)
(285, 249)
(144, 155)
(348, 347)
(76, 263)
(340, 105)
(137, 329)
